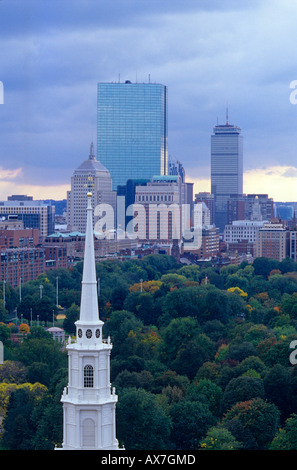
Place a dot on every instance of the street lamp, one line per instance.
(4, 298)
(57, 291)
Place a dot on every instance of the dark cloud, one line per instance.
(53, 53)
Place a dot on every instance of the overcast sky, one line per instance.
(208, 53)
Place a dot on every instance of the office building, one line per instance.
(158, 204)
(293, 245)
(241, 230)
(175, 167)
(249, 207)
(273, 241)
(91, 174)
(32, 214)
(226, 168)
(127, 192)
(259, 206)
(208, 200)
(132, 130)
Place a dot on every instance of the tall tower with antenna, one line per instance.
(88, 401)
(226, 168)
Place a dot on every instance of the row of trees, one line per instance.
(200, 357)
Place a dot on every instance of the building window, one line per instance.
(88, 376)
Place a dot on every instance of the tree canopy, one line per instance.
(196, 364)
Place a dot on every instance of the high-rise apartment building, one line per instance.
(93, 175)
(132, 130)
(226, 168)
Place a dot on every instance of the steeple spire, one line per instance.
(89, 310)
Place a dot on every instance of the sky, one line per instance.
(210, 54)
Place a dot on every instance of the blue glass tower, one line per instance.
(132, 130)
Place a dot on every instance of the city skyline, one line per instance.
(207, 55)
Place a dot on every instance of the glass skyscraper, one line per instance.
(226, 169)
(132, 130)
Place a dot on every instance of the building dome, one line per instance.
(92, 164)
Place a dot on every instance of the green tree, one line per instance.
(263, 266)
(72, 315)
(218, 438)
(118, 296)
(5, 334)
(278, 388)
(118, 327)
(144, 305)
(19, 428)
(39, 346)
(259, 417)
(241, 389)
(12, 372)
(192, 355)
(190, 422)
(210, 390)
(286, 438)
(141, 422)
(178, 333)
(184, 302)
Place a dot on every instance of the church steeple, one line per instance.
(88, 401)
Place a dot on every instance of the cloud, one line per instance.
(7, 175)
(57, 192)
(12, 181)
(279, 182)
(274, 181)
(208, 53)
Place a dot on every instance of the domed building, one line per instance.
(91, 173)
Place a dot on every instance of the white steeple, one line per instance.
(89, 311)
(88, 401)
